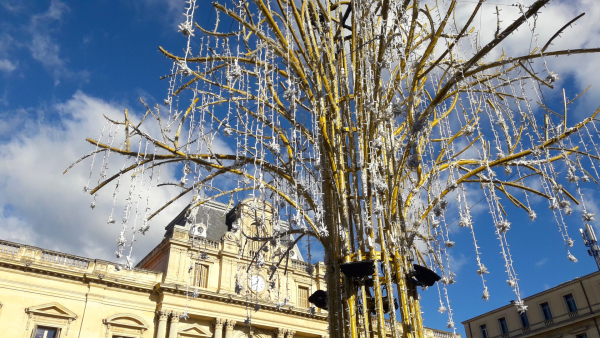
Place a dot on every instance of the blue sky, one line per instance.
(63, 64)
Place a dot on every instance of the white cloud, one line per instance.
(12, 5)
(4, 101)
(6, 66)
(457, 262)
(7, 43)
(54, 12)
(16, 230)
(44, 49)
(170, 11)
(541, 261)
(41, 206)
(585, 33)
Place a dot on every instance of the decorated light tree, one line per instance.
(361, 123)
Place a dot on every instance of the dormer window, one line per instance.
(235, 226)
(198, 230)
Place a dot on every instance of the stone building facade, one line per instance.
(194, 284)
(569, 310)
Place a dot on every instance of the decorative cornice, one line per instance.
(150, 288)
(231, 299)
(84, 277)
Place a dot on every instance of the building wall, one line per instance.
(94, 298)
(565, 324)
(41, 287)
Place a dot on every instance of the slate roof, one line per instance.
(218, 219)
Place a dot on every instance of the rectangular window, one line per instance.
(546, 311)
(583, 335)
(524, 319)
(503, 326)
(484, 333)
(201, 277)
(45, 332)
(570, 303)
(302, 297)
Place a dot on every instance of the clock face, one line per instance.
(257, 283)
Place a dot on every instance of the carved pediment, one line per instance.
(194, 330)
(53, 310)
(127, 320)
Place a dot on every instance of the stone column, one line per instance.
(161, 330)
(229, 324)
(280, 332)
(219, 327)
(174, 324)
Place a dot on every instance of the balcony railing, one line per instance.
(573, 314)
(299, 264)
(209, 243)
(441, 334)
(66, 260)
(9, 249)
(548, 322)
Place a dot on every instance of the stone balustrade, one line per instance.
(57, 262)
(65, 259)
(9, 248)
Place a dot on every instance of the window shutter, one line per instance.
(201, 275)
(303, 297)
